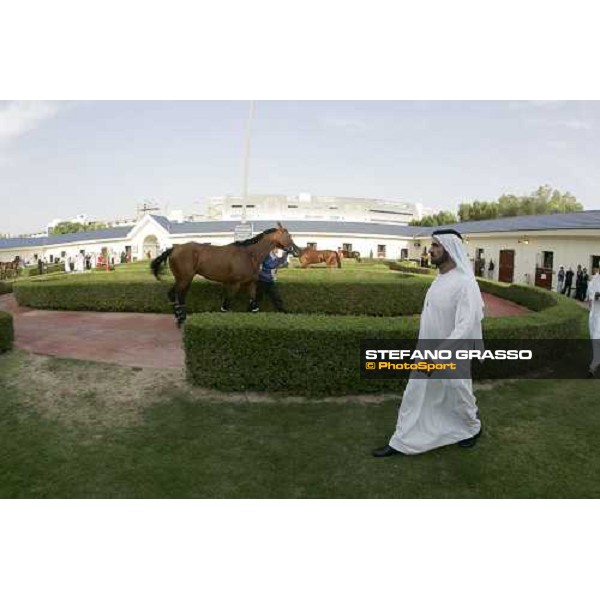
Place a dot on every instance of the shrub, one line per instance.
(6, 331)
(6, 287)
(319, 355)
(48, 269)
(378, 295)
(298, 354)
(315, 352)
(406, 267)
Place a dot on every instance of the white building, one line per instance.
(308, 207)
(526, 249)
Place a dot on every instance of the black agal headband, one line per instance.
(443, 231)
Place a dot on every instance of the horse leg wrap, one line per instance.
(180, 312)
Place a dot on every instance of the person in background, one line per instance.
(568, 282)
(593, 298)
(578, 283)
(585, 279)
(267, 281)
(560, 280)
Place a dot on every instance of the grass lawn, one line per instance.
(140, 271)
(71, 429)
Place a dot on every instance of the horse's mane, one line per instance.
(256, 238)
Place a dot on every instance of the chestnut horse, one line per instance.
(12, 266)
(235, 265)
(309, 256)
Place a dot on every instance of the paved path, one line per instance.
(130, 339)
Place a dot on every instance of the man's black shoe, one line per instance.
(469, 442)
(385, 451)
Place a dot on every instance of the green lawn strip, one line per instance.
(540, 440)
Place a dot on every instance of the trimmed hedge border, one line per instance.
(404, 268)
(315, 355)
(378, 296)
(6, 287)
(307, 354)
(6, 331)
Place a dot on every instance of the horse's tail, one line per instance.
(156, 264)
(339, 262)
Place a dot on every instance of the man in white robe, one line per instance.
(437, 412)
(593, 297)
(79, 263)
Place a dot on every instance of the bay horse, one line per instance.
(351, 254)
(309, 256)
(235, 265)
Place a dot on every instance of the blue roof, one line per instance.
(22, 242)
(67, 238)
(163, 221)
(588, 219)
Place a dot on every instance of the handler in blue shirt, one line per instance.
(267, 277)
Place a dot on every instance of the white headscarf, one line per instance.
(456, 249)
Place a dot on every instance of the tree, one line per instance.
(70, 227)
(542, 201)
(444, 217)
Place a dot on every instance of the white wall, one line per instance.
(569, 251)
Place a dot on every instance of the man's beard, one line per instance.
(441, 260)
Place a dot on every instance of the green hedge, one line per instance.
(6, 287)
(6, 331)
(305, 354)
(379, 295)
(410, 268)
(48, 269)
(317, 355)
(308, 355)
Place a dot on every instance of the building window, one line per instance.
(403, 253)
(347, 247)
(548, 260)
(292, 206)
(312, 245)
(236, 206)
(380, 251)
(63, 254)
(250, 206)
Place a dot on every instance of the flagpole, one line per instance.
(246, 159)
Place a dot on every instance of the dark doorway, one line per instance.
(543, 273)
(506, 266)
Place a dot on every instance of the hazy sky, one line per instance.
(61, 159)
